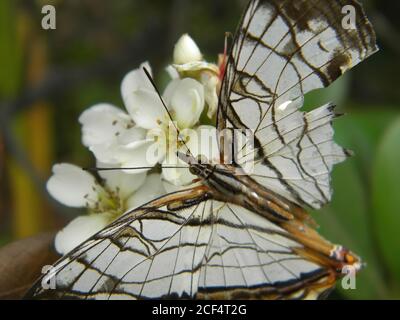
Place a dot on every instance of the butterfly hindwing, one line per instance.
(209, 250)
(297, 162)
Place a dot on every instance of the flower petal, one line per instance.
(120, 182)
(210, 83)
(186, 99)
(203, 141)
(105, 153)
(135, 80)
(150, 190)
(174, 172)
(103, 123)
(142, 154)
(79, 230)
(186, 50)
(146, 108)
(72, 186)
(172, 72)
(194, 69)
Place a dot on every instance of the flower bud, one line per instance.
(186, 51)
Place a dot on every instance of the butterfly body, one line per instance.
(229, 183)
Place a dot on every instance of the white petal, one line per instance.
(135, 80)
(103, 123)
(121, 182)
(186, 50)
(141, 154)
(150, 190)
(72, 186)
(210, 83)
(104, 127)
(79, 230)
(146, 108)
(186, 99)
(130, 135)
(172, 72)
(203, 141)
(171, 188)
(105, 153)
(177, 176)
(196, 68)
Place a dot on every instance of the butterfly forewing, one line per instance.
(282, 50)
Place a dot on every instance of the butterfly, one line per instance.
(240, 235)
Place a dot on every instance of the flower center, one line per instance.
(108, 201)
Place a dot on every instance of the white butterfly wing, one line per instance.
(147, 253)
(282, 50)
(210, 250)
(250, 257)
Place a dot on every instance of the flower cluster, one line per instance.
(141, 139)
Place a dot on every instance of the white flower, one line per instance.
(188, 63)
(149, 191)
(105, 202)
(73, 187)
(104, 128)
(145, 136)
(140, 139)
(184, 99)
(137, 90)
(211, 84)
(186, 50)
(120, 184)
(118, 138)
(202, 141)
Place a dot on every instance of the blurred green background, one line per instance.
(47, 78)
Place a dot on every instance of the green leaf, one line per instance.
(386, 196)
(346, 220)
(335, 93)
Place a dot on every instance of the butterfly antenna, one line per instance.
(97, 169)
(165, 107)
